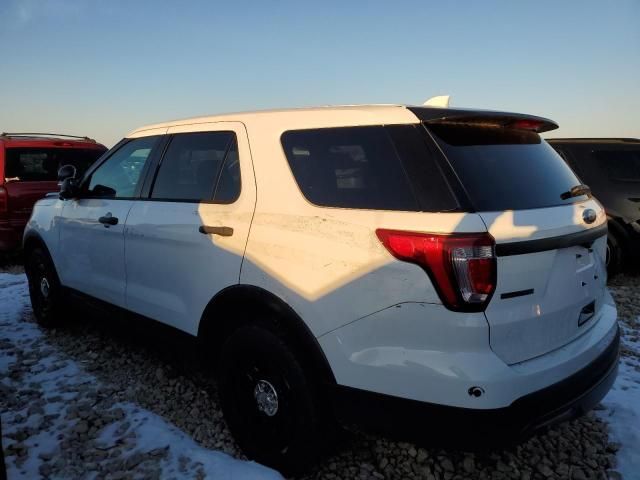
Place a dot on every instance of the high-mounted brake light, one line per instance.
(461, 266)
(533, 125)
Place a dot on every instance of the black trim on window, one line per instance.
(152, 171)
(585, 237)
(454, 182)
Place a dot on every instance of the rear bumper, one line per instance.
(428, 423)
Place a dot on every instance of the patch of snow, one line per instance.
(152, 433)
(622, 410)
(57, 379)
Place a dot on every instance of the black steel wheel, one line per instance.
(44, 288)
(268, 401)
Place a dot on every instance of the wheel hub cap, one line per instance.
(44, 287)
(266, 398)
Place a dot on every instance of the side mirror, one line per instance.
(69, 188)
(65, 172)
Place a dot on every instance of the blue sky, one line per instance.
(102, 68)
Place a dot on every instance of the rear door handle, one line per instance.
(108, 219)
(222, 231)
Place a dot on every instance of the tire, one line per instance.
(44, 288)
(268, 401)
(614, 255)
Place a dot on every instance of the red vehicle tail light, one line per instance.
(461, 266)
(3, 200)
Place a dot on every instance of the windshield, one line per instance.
(506, 169)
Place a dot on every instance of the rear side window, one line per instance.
(506, 169)
(620, 165)
(354, 167)
(194, 164)
(42, 164)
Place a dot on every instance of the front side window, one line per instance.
(194, 164)
(42, 164)
(119, 175)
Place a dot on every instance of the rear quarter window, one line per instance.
(366, 168)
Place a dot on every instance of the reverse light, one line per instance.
(461, 266)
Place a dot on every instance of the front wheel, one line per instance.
(268, 401)
(44, 288)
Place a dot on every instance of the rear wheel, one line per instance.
(44, 288)
(268, 401)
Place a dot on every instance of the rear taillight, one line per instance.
(3, 200)
(461, 266)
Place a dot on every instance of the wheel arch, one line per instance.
(238, 305)
(617, 227)
(31, 241)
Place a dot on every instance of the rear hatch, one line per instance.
(550, 247)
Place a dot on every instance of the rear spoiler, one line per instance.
(459, 116)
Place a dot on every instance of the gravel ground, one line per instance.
(160, 375)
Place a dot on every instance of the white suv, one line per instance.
(430, 273)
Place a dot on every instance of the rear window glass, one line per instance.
(506, 169)
(42, 164)
(361, 167)
(620, 165)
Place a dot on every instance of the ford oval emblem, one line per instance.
(589, 215)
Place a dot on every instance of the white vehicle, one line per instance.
(431, 273)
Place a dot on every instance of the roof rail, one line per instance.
(41, 134)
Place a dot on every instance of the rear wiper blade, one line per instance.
(576, 192)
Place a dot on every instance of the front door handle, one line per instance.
(222, 231)
(108, 219)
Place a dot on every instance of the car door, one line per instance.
(92, 226)
(185, 241)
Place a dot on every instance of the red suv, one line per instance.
(29, 164)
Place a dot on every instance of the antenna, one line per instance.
(439, 101)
